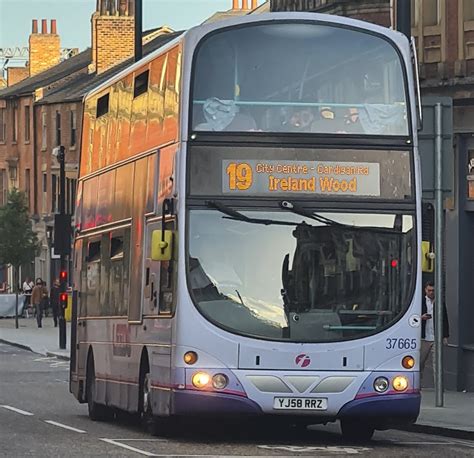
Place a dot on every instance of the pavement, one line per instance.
(455, 419)
(44, 341)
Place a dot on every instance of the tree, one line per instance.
(18, 243)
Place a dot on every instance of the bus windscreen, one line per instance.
(283, 77)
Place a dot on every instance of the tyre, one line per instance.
(152, 424)
(357, 430)
(145, 409)
(97, 412)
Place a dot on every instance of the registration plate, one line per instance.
(300, 403)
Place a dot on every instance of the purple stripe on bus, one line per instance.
(203, 403)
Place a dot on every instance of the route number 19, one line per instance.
(240, 176)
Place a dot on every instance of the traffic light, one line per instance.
(63, 301)
(63, 276)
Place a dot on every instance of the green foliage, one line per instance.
(18, 243)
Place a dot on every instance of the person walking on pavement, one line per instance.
(54, 301)
(427, 326)
(27, 288)
(37, 298)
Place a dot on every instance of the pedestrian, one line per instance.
(45, 300)
(428, 313)
(54, 301)
(37, 298)
(27, 289)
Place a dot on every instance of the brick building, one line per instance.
(44, 110)
(444, 32)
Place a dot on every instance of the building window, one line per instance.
(44, 130)
(3, 187)
(15, 121)
(3, 125)
(54, 193)
(27, 123)
(468, 13)
(415, 12)
(27, 187)
(73, 120)
(58, 128)
(45, 192)
(470, 175)
(431, 14)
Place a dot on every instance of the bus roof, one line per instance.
(195, 34)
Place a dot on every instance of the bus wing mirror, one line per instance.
(161, 245)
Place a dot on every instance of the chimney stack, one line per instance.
(44, 47)
(245, 5)
(113, 34)
(254, 4)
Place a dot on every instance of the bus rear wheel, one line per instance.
(97, 412)
(356, 430)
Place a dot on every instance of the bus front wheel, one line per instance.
(356, 430)
(97, 412)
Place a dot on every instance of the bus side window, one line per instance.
(93, 278)
(116, 273)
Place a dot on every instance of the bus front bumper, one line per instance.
(385, 411)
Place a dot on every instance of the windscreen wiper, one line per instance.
(299, 210)
(237, 216)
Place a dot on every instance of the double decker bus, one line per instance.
(247, 228)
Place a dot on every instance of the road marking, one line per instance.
(461, 442)
(14, 409)
(419, 443)
(330, 449)
(59, 364)
(47, 358)
(128, 447)
(70, 428)
(139, 439)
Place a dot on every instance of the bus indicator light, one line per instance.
(394, 263)
(408, 362)
(201, 379)
(63, 275)
(190, 357)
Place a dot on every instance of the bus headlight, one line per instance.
(400, 383)
(408, 362)
(201, 379)
(381, 384)
(220, 381)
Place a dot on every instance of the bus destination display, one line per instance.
(309, 177)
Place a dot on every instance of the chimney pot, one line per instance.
(44, 26)
(34, 27)
(245, 5)
(54, 29)
(254, 4)
(235, 4)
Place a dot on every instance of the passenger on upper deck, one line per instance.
(327, 122)
(225, 115)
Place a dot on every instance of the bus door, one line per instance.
(158, 312)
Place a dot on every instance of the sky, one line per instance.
(73, 17)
